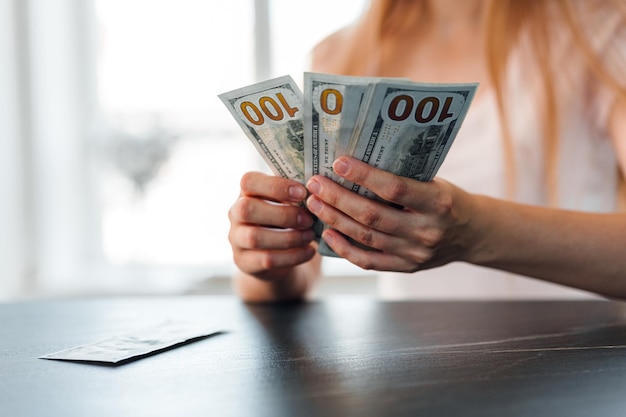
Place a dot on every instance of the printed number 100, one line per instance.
(267, 107)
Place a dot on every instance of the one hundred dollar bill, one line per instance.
(396, 125)
(270, 113)
(332, 106)
(409, 127)
(408, 130)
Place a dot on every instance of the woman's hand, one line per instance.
(431, 228)
(269, 232)
(272, 239)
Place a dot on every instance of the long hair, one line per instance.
(536, 23)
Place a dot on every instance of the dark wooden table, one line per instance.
(343, 356)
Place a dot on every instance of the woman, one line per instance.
(531, 182)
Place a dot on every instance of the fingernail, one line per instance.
(296, 192)
(341, 167)
(314, 186)
(314, 205)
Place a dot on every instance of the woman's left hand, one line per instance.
(432, 227)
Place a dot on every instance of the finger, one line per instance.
(406, 192)
(368, 212)
(390, 230)
(260, 212)
(258, 262)
(409, 242)
(336, 219)
(416, 246)
(366, 259)
(272, 188)
(261, 238)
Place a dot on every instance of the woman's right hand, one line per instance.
(270, 232)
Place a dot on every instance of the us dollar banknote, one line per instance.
(396, 125)
(270, 113)
(333, 106)
(407, 130)
(409, 127)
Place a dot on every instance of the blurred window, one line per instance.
(169, 156)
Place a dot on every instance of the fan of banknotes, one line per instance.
(394, 124)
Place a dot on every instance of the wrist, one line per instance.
(292, 285)
(478, 223)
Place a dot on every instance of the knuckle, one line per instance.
(366, 236)
(329, 218)
(397, 189)
(367, 264)
(330, 198)
(286, 216)
(231, 238)
(431, 238)
(231, 213)
(357, 174)
(370, 217)
(247, 180)
(266, 261)
(421, 257)
(242, 208)
(234, 213)
(252, 239)
(427, 256)
(444, 204)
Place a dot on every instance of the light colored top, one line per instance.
(587, 177)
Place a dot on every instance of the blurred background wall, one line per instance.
(118, 162)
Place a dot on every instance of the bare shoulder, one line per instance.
(324, 55)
